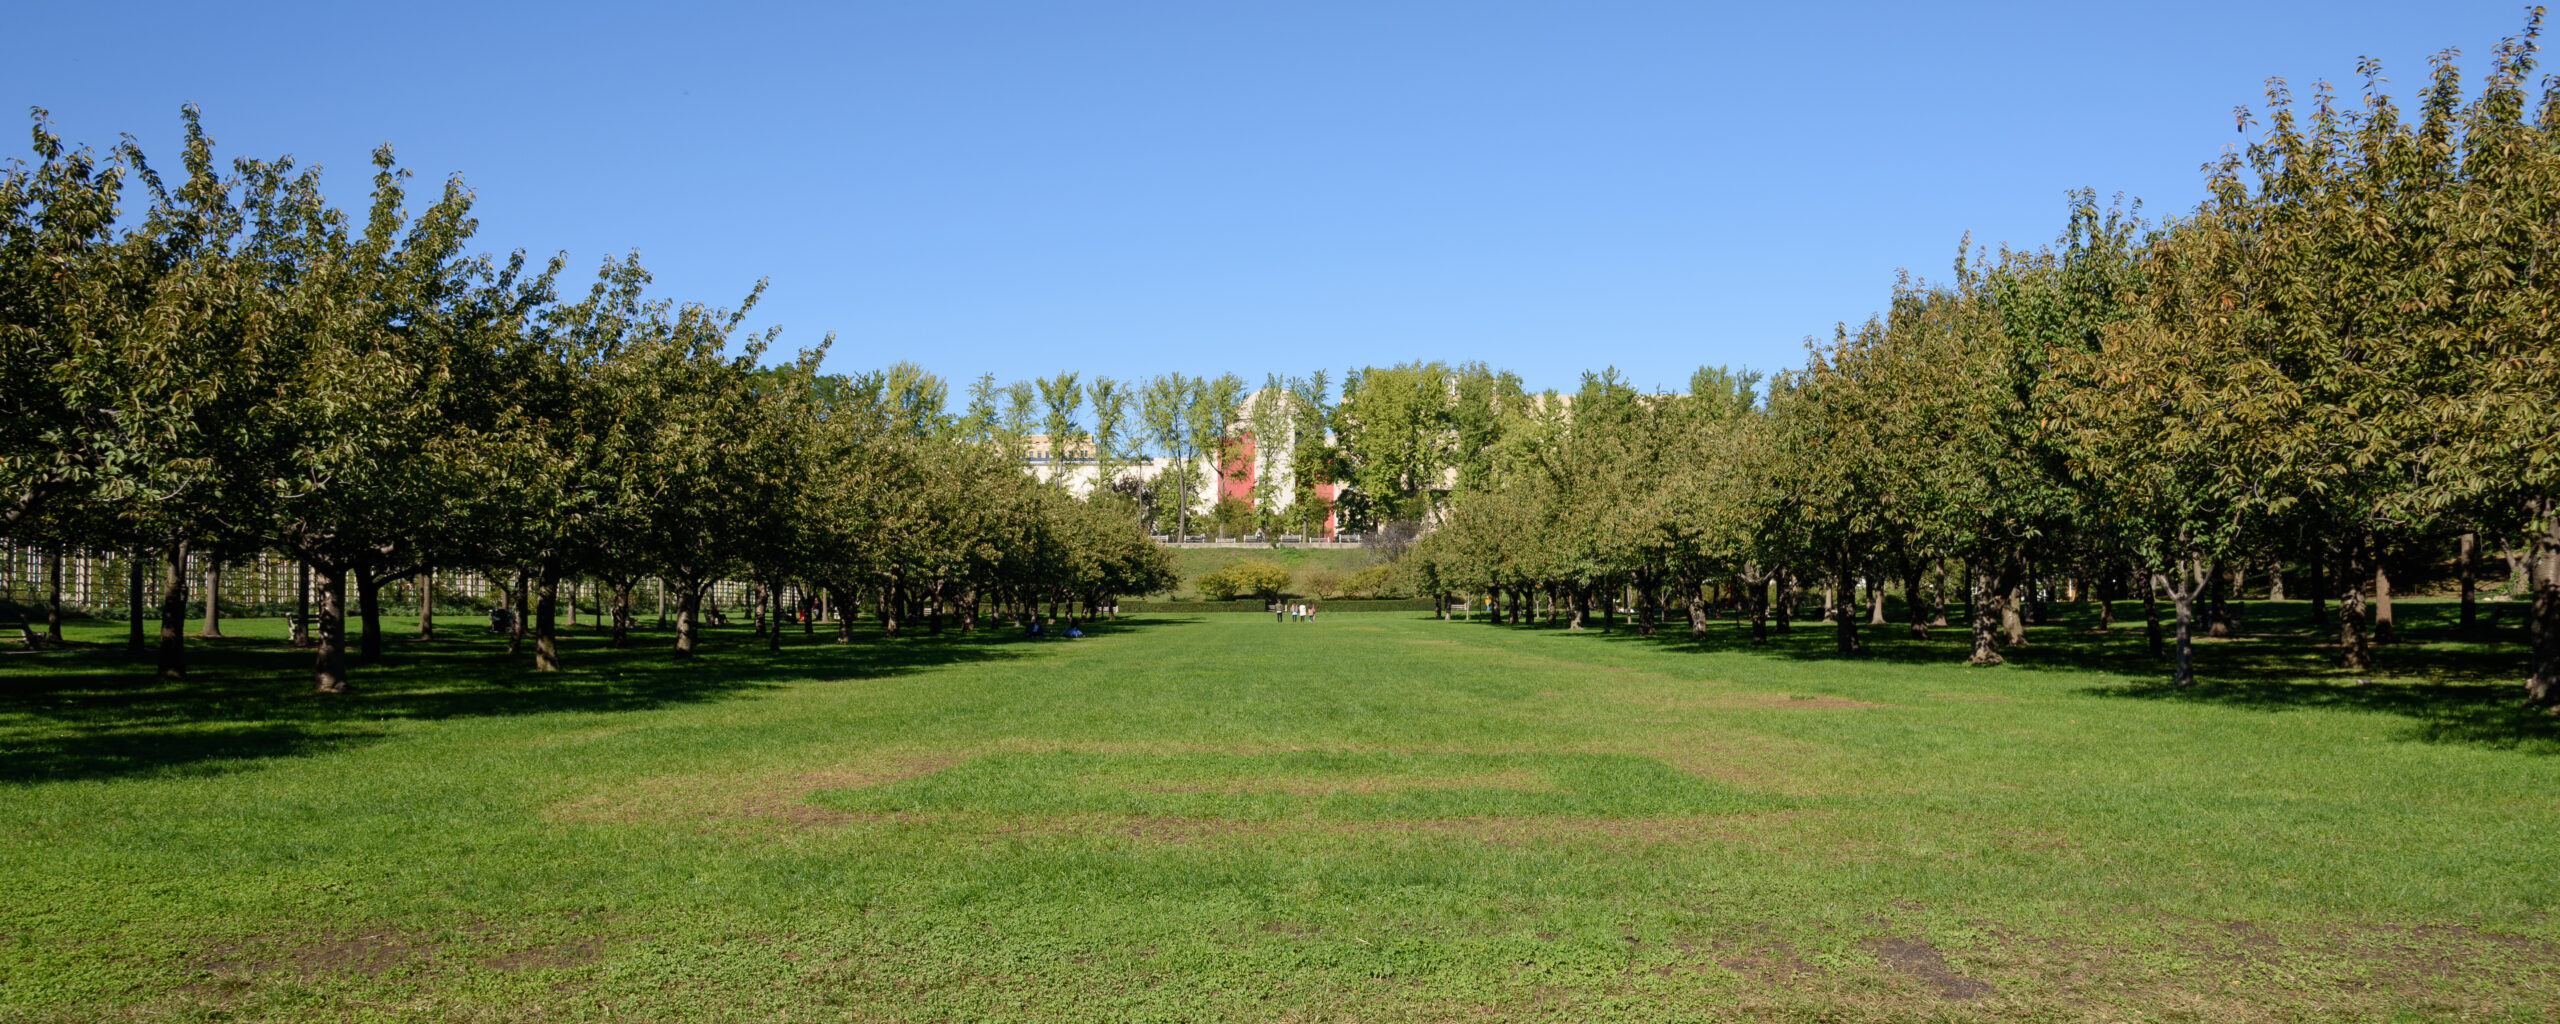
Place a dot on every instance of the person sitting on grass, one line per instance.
(1072, 628)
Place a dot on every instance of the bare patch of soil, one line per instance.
(1748, 760)
(555, 956)
(316, 954)
(1518, 779)
(1922, 961)
(781, 796)
(1795, 701)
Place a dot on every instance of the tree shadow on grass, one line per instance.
(93, 712)
(2454, 685)
(2471, 714)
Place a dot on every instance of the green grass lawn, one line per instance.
(1219, 817)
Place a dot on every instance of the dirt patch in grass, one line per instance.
(552, 957)
(1767, 763)
(318, 953)
(1922, 962)
(779, 796)
(1791, 701)
(1501, 831)
(1518, 779)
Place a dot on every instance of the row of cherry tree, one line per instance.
(2343, 361)
(237, 365)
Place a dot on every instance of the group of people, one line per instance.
(1039, 627)
(1296, 611)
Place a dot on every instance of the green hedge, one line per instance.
(1390, 604)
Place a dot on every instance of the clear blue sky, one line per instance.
(1129, 188)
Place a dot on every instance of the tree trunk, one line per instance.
(1915, 606)
(2468, 567)
(546, 618)
(1986, 616)
(1938, 596)
(2318, 585)
(1786, 601)
(2355, 649)
(622, 617)
(2184, 595)
(688, 618)
(2385, 630)
(773, 604)
(211, 625)
(2218, 612)
(53, 598)
(302, 606)
(521, 614)
(2013, 626)
(1691, 589)
(173, 613)
(569, 597)
(2543, 688)
(329, 672)
(662, 602)
(369, 605)
(1875, 602)
(1581, 605)
(1760, 609)
(1844, 629)
(133, 599)
(427, 604)
(2275, 581)
(2151, 615)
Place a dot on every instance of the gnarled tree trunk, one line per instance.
(546, 619)
(329, 669)
(1986, 616)
(688, 618)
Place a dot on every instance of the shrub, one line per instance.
(1321, 583)
(1379, 580)
(1260, 579)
